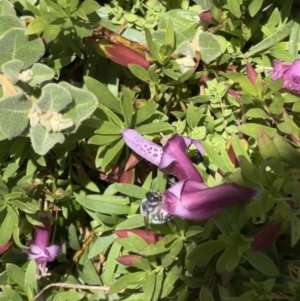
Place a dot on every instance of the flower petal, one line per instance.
(192, 200)
(52, 252)
(37, 253)
(146, 149)
(175, 161)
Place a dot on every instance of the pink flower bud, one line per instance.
(266, 236)
(148, 236)
(251, 74)
(128, 259)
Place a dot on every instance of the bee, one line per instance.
(151, 209)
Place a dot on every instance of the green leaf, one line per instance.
(89, 6)
(156, 127)
(171, 278)
(209, 47)
(27, 205)
(205, 294)
(184, 22)
(16, 274)
(100, 245)
(245, 84)
(234, 7)
(83, 104)
(287, 153)
(170, 35)
(108, 128)
(7, 8)
(158, 285)
(42, 140)
(254, 7)
(104, 96)
(14, 45)
(7, 225)
(271, 40)
(149, 286)
(126, 281)
(103, 204)
(129, 190)
(13, 117)
(257, 113)
(269, 152)
(12, 69)
(251, 129)
(112, 153)
(151, 46)
(206, 250)
(295, 37)
(126, 106)
(54, 98)
(9, 21)
(11, 294)
(30, 280)
(144, 113)
(51, 32)
(41, 73)
(262, 263)
(37, 25)
(139, 72)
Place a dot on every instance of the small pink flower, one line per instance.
(170, 159)
(289, 72)
(39, 248)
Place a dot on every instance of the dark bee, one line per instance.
(151, 210)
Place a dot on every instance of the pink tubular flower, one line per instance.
(148, 236)
(39, 248)
(195, 201)
(170, 159)
(289, 72)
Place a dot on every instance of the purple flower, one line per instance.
(289, 72)
(195, 201)
(170, 159)
(39, 248)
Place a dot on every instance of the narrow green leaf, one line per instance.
(149, 286)
(30, 279)
(126, 281)
(151, 45)
(271, 40)
(126, 106)
(155, 127)
(104, 96)
(295, 37)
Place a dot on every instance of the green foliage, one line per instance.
(62, 111)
